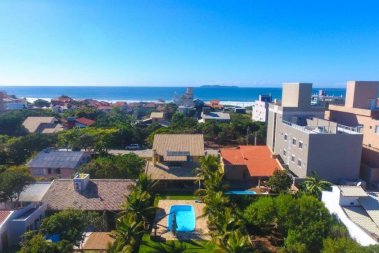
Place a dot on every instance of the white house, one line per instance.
(358, 211)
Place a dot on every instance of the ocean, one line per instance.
(243, 96)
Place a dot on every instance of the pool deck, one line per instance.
(201, 230)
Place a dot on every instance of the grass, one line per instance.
(174, 196)
(149, 246)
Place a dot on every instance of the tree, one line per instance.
(341, 245)
(119, 166)
(128, 234)
(38, 244)
(236, 243)
(70, 224)
(12, 183)
(280, 181)
(261, 213)
(41, 103)
(314, 186)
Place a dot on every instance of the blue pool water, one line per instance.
(243, 192)
(185, 217)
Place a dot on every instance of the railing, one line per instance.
(301, 128)
(324, 129)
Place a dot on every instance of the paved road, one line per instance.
(148, 153)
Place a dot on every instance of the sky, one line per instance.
(193, 42)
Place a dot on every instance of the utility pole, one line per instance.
(247, 135)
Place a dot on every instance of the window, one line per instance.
(377, 129)
(294, 141)
(299, 163)
(38, 171)
(48, 171)
(285, 137)
(300, 144)
(58, 171)
(293, 158)
(284, 152)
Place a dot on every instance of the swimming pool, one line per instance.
(185, 218)
(243, 192)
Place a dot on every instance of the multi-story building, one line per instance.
(306, 142)
(260, 108)
(361, 110)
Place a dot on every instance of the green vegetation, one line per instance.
(150, 246)
(114, 166)
(314, 186)
(280, 181)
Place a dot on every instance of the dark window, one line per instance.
(48, 171)
(58, 171)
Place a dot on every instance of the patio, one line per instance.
(201, 229)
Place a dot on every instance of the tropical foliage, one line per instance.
(280, 181)
(313, 185)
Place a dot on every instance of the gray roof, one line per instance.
(35, 192)
(216, 116)
(100, 194)
(57, 159)
(352, 191)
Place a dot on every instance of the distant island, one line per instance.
(218, 86)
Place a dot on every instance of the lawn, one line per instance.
(174, 196)
(149, 246)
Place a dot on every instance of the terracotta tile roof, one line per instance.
(98, 241)
(85, 121)
(4, 215)
(179, 144)
(101, 194)
(257, 159)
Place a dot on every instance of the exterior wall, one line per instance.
(32, 222)
(335, 156)
(260, 111)
(358, 93)
(370, 155)
(236, 172)
(4, 235)
(297, 95)
(64, 172)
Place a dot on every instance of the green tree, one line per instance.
(342, 245)
(261, 213)
(280, 181)
(41, 103)
(70, 224)
(38, 244)
(12, 183)
(236, 243)
(313, 185)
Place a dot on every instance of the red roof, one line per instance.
(85, 121)
(4, 215)
(257, 159)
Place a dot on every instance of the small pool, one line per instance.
(185, 218)
(243, 192)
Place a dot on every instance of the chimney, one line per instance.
(80, 181)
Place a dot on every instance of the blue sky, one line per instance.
(194, 42)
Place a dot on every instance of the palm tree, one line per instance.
(314, 186)
(236, 243)
(139, 203)
(128, 234)
(145, 183)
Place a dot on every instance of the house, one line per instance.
(248, 163)
(87, 194)
(62, 101)
(9, 102)
(361, 111)
(357, 210)
(156, 116)
(260, 108)
(208, 115)
(297, 132)
(84, 122)
(175, 158)
(43, 125)
(24, 215)
(120, 104)
(57, 164)
(186, 100)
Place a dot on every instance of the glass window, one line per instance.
(58, 171)
(299, 162)
(293, 158)
(377, 129)
(300, 144)
(48, 171)
(285, 137)
(294, 141)
(284, 152)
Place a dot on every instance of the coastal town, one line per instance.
(296, 174)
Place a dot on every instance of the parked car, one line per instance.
(133, 147)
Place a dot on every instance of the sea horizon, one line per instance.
(232, 95)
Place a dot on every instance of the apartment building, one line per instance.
(260, 108)
(361, 110)
(306, 142)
